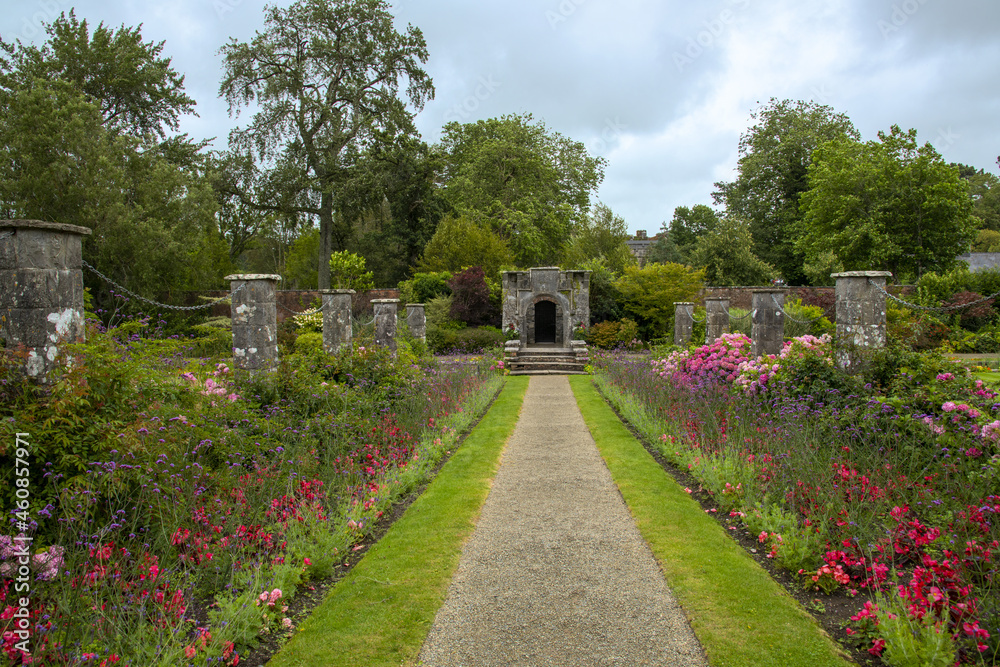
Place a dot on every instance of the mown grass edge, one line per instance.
(740, 615)
(381, 612)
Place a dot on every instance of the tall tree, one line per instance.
(649, 294)
(775, 154)
(326, 76)
(888, 204)
(984, 188)
(86, 143)
(460, 243)
(134, 87)
(727, 251)
(531, 184)
(601, 236)
(396, 204)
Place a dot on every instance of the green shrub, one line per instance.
(211, 341)
(607, 335)
(469, 340)
(309, 343)
(423, 287)
(803, 319)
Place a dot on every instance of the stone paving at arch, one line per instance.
(556, 572)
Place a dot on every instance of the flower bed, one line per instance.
(883, 486)
(176, 506)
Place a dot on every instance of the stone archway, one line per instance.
(568, 292)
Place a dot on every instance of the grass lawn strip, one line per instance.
(380, 613)
(739, 614)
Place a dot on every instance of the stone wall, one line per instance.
(824, 297)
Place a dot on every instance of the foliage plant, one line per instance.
(177, 505)
(471, 301)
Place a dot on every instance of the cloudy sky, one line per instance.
(661, 89)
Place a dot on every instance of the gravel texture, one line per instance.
(556, 572)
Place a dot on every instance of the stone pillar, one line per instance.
(255, 320)
(337, 319)
(716, 319)
(385, 322)
(416, 320)
(41, 289)
(683, 322)
(767, 332)
(860, 316)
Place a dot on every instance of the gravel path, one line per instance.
(556, 573)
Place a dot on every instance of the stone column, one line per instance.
(767, 332)
(716, 319)
(41, 289)
(385, 322)
(255, 320)
(860, 316)
(683, 322)
(416, 320)
(337, 319)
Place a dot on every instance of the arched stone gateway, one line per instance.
(544, 305)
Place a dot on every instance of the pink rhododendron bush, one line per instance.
(883, 485)
(169, 508)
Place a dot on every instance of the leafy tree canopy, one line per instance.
(460, 243)
(134, 88)
(81, 150)
(727, 251)
(775, 154)
(600, 236)
(530, 184)
(984, 188)
(325, 76)
(348, 271)
(649, 294)
(886, 205)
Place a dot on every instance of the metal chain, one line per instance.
(4, 235)
(789, 315)
(738, 317)
(939, 309)
(311, 311)
(359, 323)
(695, 319)
(132, 294)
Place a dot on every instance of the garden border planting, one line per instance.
(740, 615)
(381, 612)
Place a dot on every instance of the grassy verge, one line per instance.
(740, 615)
(381, 612)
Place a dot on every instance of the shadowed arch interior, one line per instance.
(545, 322)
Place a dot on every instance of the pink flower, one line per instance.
(948, 406)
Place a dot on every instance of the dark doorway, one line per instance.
(545, 322)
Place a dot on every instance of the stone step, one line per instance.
(537, 372)
(561, 367)
(531, 358)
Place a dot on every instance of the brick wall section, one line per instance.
(824, 297)
(294, 300)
